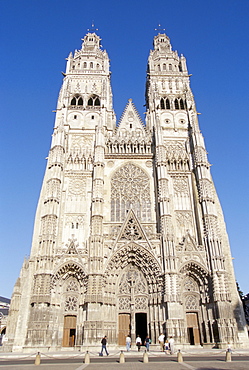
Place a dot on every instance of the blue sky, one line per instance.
(37, 36)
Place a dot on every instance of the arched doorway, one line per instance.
(132, 305)
(192, 299)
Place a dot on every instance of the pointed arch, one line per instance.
(135, 255)
(68, 270)
(94, 101)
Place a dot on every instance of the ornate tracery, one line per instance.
(132, 291)
(130, 188)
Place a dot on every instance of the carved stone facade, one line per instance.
(129, 235)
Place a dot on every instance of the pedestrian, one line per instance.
(147, 343)
(128, 343)
(138, 342)
(104, 344)
(161, 341)
(167, 347)
(171, 345)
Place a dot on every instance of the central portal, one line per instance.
(141, 325)
(132, 305)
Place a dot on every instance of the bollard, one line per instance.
(145, 357)
(38, 359)
(228, 355)
(121, 358)
(87, 358)
(179, 356)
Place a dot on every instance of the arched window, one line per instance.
(170, 67)
(182, 104)
(90, 102)
(97, 66)
(73, 101)
(162, 105)
(176, 104)
(91, 65)
(94, 101)
(130, 188)
(77, 100)
(164, 66)
(158, 67)
(84, 65)
(167, 104)
(97, 102)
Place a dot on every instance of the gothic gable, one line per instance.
(189, 251)
(131, 229)
(130, 120)
(72, 248)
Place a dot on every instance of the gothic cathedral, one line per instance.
(129, 235)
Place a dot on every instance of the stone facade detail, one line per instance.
(129, 234)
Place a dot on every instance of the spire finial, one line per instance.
(93, 28)
(159, 28)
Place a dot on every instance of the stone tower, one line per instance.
(129, 234)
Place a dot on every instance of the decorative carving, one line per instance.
(77, 186)
(71, 304)
(72, 286)
(180, 184)
(130, 188)
(131, 231)
(191, 302)
(190, 285)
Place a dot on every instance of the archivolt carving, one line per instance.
(68, 270)
(193, 268)
(136, 255)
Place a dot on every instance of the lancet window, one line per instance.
(94, 101)
(77, 100)
(164, 103)
(179, 103)
(130, 189)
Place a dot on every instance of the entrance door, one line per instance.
(69, 331)
(193, 328)
(124, 327)
(141, 325)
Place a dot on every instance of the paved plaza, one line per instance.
(196, 359)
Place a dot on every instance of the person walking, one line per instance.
(128, 343)
(138, 342)
(171, 345)
(167, 347)
(104, 344)
(147, 343)
(161, 341)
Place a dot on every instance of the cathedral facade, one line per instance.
(129, 235)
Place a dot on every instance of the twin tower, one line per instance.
(129, 235)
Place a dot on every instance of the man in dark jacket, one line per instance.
(104, 343)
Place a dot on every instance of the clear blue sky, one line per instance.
(37, 36)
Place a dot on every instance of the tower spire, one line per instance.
(93, 28)
(160, 29)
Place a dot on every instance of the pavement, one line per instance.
(193, 359)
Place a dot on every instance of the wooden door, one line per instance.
(193, 328)
(69, 331)
(124, 327)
